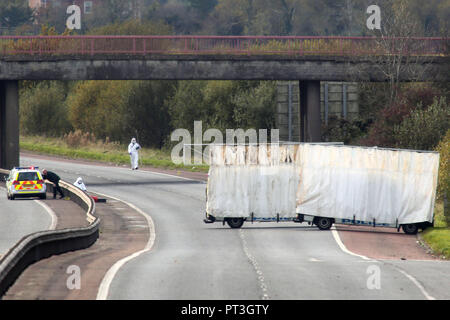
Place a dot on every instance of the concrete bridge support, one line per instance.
(310, 121)
(9, 124)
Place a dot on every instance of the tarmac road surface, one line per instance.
(192, 260)
(19, 218)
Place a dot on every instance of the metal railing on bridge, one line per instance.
(84, 46)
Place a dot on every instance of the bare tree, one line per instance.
(398, 52)
(396, 40)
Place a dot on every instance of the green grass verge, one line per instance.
(109, 153)
(438, 238)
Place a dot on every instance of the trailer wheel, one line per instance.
(323, 223)
(235, 223)
(410, 228)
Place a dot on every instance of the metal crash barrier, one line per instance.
(41, 245)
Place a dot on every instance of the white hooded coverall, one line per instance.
(80, 184)
(133, 148)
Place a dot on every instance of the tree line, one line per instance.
(148, 110)
(232, 17)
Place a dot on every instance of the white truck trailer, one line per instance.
(322, 184)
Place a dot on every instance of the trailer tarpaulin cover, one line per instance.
(262, 180)
(367, 183)
(390, 186)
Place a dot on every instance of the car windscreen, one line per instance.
(27, 176)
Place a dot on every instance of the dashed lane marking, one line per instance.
(254, 262)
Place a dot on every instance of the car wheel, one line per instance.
(235, 223)
(323, 223)
(410, 228)
(43, 196)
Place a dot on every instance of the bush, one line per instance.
(133, 27)
(341, 130)
(424, 128)
(43, 110)
(381, 133)
(147, 113)
(75, 139)
(122, 109)
(256, 106)
(444, 173)
(224, 104)
(98, 107)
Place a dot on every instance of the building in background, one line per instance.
(36, 4)
(87, 6)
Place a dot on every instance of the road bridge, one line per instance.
(305, 59)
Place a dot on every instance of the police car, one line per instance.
(25, 182)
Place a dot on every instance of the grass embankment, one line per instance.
(438, 238)
(102, 151)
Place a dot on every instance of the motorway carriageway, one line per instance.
(191, 260)
(21, 217)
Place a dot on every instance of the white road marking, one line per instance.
(137, 227)
(263, 286)
(52, 214)
(166, 174)
(415, 281)
(342, 246)
(147, 172)
(314, 260)
(103, 289)
(407, 275)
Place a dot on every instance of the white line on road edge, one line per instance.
(410, 277)
(149, 171)
(54, 218)
(52, 214)
(165, 174)
(341, 245)
(103, 289)
(415, 281)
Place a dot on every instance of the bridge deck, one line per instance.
(293, 47)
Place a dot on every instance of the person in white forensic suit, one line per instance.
(133, 148)
(80, 184)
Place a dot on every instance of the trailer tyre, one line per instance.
(323, 223)
(410, 228)
(235, 223)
